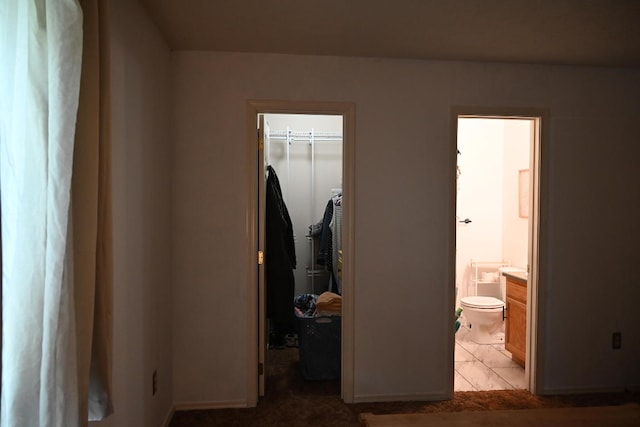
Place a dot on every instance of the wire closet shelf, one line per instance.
(306, 136)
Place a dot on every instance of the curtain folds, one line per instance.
(41, 49)
(56, 204)
(91, 195)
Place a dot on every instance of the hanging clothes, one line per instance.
(280, 259)
(331, 243)
(336, 240)
(324, 252)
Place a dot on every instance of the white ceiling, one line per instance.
(572, 32)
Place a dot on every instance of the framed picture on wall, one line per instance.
(523, 193)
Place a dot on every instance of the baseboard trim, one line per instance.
(371, 398)
(585, 390)
(167, 419)
(219, 404)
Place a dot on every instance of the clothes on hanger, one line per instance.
(280, 261)
(329, 253)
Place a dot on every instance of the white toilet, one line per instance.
(485, 314)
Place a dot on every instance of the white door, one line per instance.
(263, 141)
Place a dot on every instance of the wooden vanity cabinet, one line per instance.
(516, 319)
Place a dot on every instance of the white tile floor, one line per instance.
(485, 366)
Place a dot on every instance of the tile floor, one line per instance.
(485, 366)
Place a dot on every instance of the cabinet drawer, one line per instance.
(516, 291)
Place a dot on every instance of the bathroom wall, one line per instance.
(480, 197)
(517, 144)
(492, 152)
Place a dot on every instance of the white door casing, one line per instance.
(256, 297)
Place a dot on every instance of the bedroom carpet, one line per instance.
(618, 416)
(292, 401)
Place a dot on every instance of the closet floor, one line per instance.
(285, 379)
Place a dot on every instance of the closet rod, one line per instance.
(288, 135)
(303, 133)
(308, 139)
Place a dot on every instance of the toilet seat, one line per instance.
(480, 302)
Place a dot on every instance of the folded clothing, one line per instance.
(329, 302)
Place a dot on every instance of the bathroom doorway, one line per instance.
(496, 225)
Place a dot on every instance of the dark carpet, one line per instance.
(291, 401)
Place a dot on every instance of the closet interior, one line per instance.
(303, 157)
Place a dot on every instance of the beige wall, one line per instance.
(403, 213)
(142, 219)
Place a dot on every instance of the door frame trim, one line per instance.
(534, 368)
(347, 111)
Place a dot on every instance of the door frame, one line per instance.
(347, 111)
(534, 368)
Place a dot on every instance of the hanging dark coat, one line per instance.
(280, 254)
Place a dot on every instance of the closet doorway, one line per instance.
(497, 227)
(304, 166)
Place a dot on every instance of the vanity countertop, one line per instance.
(516, 275)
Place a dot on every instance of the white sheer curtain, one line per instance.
(40, 62)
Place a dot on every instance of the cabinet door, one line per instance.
(516, 329)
